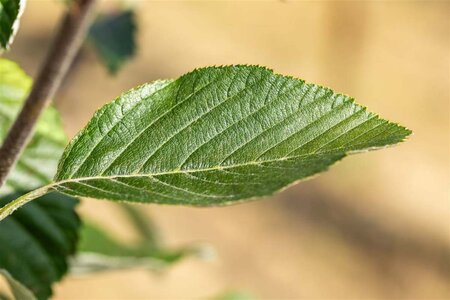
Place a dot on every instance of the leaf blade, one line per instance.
(204, 138)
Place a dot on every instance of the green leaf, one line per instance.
(37, 164)
(96, 240)
(36, 241)
(10, 12)
(99, 251)
(215, 136)
(18, 290)
(143, 225)
(113, 37)
(234, 295)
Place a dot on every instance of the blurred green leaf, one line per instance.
(18, 290)
(38, 162)
(36, 241)
(96, 240)
(113, 38)
(234, 295)
(143, 225)
(10, 12)
(99, 251)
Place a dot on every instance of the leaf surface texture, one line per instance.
(216, 136)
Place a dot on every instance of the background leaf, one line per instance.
(36, 242)
(18, 290)
(99, 251)
(37, 164)
(234, 295)
(113, 38)
(143, 225)
(216, 136)
(10, 12)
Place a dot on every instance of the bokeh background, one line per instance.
(376, 226)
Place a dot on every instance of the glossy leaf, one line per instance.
(113, 38)
(216, 136)
(10, 12)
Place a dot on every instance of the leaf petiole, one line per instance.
(9, 208)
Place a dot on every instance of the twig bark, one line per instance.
(66, 44)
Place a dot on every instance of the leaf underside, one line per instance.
(216, 136)
(10, 11)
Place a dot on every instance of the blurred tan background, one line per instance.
(376, 226)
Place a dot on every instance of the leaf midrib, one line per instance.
(179, 171)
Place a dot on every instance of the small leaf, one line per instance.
(19, 291)
(36, 241)
(113, 37)
(216, 136)
(10, 13)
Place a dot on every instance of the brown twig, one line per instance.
(66, 44)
